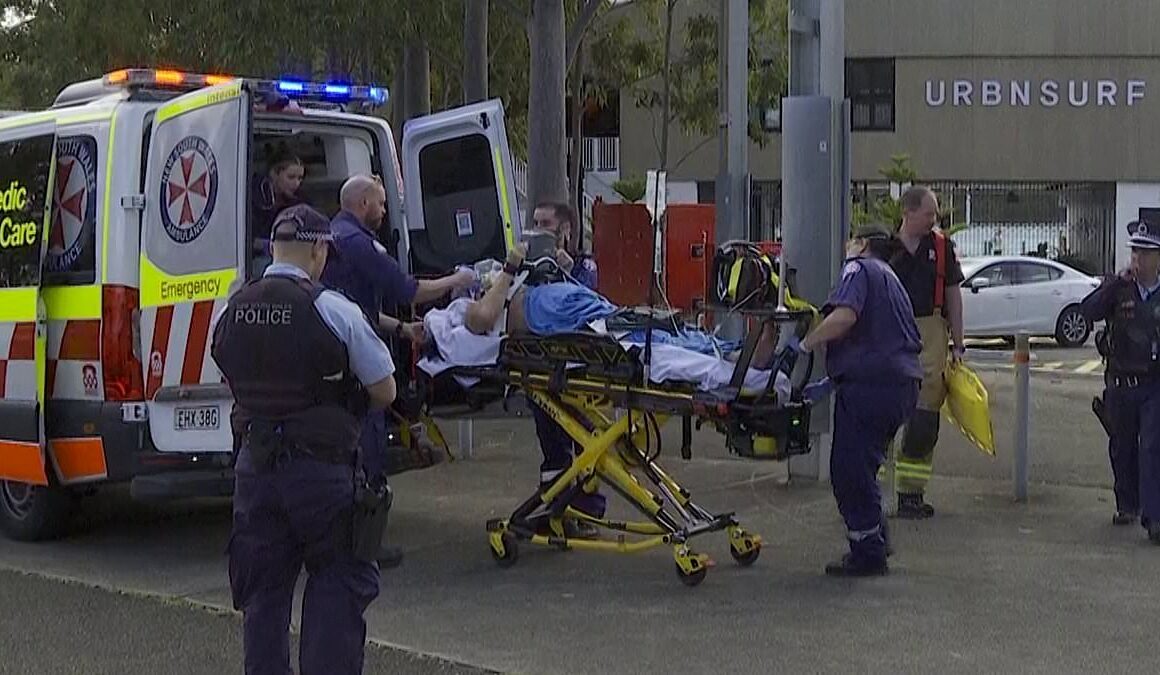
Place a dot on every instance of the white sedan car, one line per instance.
(1003, 295)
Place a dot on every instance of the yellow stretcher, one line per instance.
(595, 389)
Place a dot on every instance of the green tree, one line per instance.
(682, 87)
(886, 210)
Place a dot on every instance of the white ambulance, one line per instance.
(125, 223)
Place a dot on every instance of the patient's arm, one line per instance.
(483, 314)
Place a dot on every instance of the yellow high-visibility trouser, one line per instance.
(913, 461)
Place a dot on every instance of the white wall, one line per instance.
(1130, 198)
(682, 192)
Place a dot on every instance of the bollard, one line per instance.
(466, 439)
(890, 478)
(1022, 359)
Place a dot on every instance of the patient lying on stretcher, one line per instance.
(468, 333)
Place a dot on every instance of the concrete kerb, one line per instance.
(222, 610)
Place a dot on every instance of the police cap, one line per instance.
(1143, 236)
(301, 223)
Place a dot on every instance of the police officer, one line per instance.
(304, 365)
(361, 268)
(872, 344)
(925, 262)
(1129, 303)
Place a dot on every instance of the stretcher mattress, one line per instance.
(456, 347)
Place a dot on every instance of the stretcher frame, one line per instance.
(581, 380)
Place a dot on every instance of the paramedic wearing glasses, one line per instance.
(304, 364)
(872, 347)
(360, 267)
(555, 443)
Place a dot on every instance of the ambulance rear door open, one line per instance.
(460, 197)
(27, 172)
(192, 257)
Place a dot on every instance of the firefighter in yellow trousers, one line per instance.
(925, 262)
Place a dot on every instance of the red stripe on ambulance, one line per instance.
(23, 345)
(195, 346)
(158, 352)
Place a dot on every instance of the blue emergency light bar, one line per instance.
(332, 92)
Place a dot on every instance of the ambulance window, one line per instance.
(24, 173)
(329, 156)
(72, 238)
(461, 211)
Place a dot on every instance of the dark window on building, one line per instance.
(599, 118)
(870, 88)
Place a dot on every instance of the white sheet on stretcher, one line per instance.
(458, 346)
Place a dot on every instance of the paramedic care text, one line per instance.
(15, 234)
(192, 289)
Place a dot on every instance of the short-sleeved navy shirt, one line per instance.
(361, 268)
(884, 342)
(918, 271)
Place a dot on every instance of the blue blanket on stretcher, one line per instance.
(551, 309)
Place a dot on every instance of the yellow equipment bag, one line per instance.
(967, 406)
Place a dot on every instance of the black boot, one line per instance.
(849, 566)
(912, 507)
(1154, 532)
(1124, 518)
(389, 556)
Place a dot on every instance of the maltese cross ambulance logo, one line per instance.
(74, 202)
(189, 185)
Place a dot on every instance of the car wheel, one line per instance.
(1072, 328)
(34, 512)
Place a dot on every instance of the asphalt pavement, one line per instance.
(1046, 357)
(988, 585)
(53, 625)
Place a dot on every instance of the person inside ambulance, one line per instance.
(361, 267)
(304, 365)
(278, 189)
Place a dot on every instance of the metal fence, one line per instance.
(765, 210)
(1070, 222)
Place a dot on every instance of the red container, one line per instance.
(689, 246)
(622, 243)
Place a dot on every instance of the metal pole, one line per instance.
(738, 83)
(466, 439)
(890, 479)
(1022, 360)
(721, 193)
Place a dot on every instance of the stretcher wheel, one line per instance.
(747, 558)
(691, 578)
(511, 551)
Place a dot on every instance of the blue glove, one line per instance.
(794, 343)
(816, 391)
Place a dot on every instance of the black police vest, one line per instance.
(1134, 333)
(285, 366)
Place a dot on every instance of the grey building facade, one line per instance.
(1036, 119)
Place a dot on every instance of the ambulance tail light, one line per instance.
(119, 353)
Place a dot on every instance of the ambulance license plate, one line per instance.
(196, 418)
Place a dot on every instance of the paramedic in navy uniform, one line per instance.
(303, 365)
(872, 347)
(361, 268)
